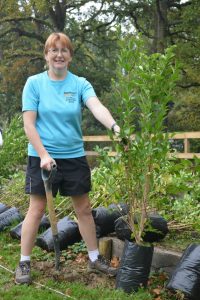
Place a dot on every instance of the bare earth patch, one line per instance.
(73, 271)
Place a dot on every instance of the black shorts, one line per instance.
(73, 177)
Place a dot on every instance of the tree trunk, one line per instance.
(161, 26)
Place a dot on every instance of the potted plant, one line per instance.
(142, 91)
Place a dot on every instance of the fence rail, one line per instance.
(185, 136)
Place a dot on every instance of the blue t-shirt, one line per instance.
(59, 112)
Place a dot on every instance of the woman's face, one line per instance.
(58, 58)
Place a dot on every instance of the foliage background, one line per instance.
(92, 27)
(94, 30)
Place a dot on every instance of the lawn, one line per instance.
(72, 282)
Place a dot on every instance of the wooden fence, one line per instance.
(184, 136)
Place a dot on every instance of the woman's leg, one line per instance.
(28, 235)
(88, 232)
(86, 223)
(31, 223)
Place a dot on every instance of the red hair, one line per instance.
(58, 36)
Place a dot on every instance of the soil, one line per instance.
(73, 271)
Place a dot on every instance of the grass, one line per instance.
(9, 291)
(9, 257)
(46, 287)
(179, 240)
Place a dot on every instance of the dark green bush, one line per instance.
(185, 116)
(14, 151)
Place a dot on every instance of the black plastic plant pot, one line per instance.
(15, 232)
(68, 234)
(3, 208)
(105, 218)
(186, 276)
(156, 231)
(8, 217)
(134, 267)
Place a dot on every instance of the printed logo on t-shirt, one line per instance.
(69, 97)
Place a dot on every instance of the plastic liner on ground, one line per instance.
(3, 208)
(186, 276)
(15, 232)
(68, 234)
(155, 231)
(105, 218)
(134, 267)
(9, 217)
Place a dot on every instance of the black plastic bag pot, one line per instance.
(134, 267)
(3, 208)
(155, 231)
(186, 276)
(8, 217)
(105, 218)
(68, 234)
(15, 232)
(122, 229)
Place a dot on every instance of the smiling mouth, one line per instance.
(59, 61)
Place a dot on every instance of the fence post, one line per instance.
(186, 146)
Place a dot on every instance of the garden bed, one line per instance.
(73, 280)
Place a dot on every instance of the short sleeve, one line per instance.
(30, 95)
(87, 91)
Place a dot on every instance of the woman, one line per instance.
(52, 105)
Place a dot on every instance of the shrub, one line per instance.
(14, 151)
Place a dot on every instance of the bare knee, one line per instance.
(37, 207)
(82, 207)
(83, 211)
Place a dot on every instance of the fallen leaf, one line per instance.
(62, 259)
(81, 258)
(114, 262)
(157, 291)
(162, 277)
(68, 292)
(150, 281)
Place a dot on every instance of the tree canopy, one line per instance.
(92, 27)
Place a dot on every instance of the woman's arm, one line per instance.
(102, 114)
(29, 118)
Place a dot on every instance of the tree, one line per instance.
(164, 23)
(24, 27)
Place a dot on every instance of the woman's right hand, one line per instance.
(46, 162)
